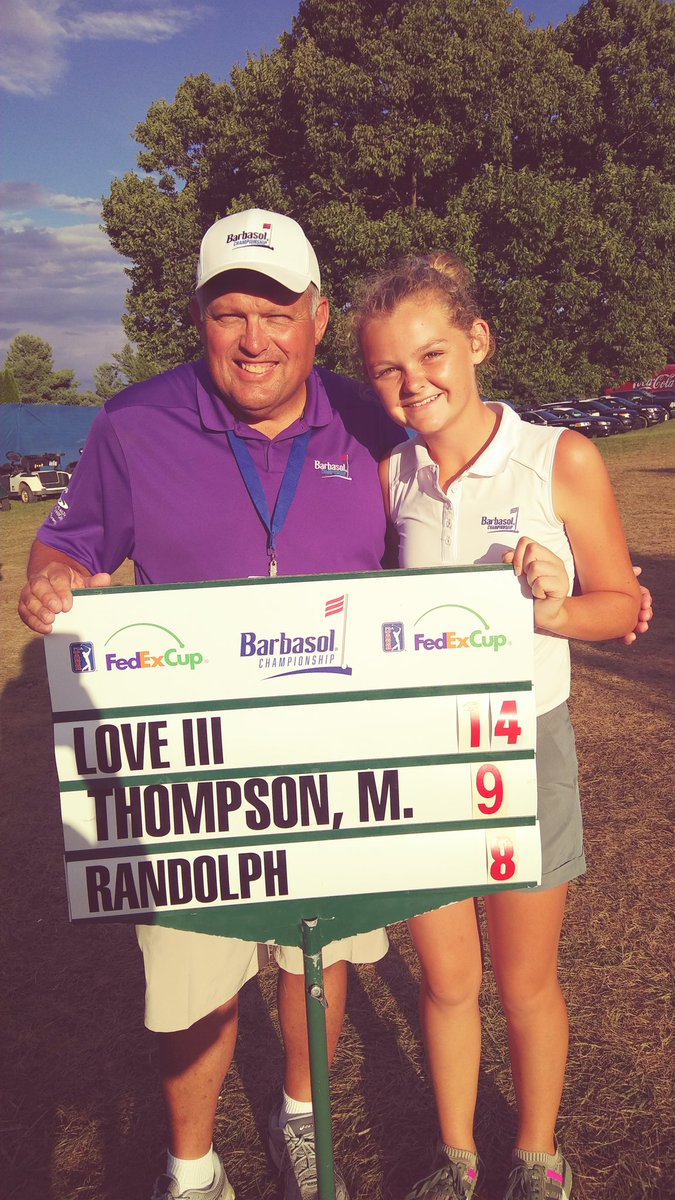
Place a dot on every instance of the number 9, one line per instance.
(490, 786)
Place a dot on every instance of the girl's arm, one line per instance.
(609, 602)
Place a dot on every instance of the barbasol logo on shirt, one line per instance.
(301, 652)
(252, 237)
(60, 509)
(507, 524)
(333, 470)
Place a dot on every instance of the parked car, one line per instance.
(544, 416)
(665, 397)
(601, 424)
(654, 413)
(630, 418)
(31, 477)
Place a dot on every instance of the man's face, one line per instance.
(259, 341)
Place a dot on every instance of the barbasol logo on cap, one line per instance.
(252, 237)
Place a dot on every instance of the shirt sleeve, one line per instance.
(92, 521)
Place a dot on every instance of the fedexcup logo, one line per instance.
(175, 654)
(471, 630)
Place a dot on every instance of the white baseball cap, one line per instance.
(266, 242)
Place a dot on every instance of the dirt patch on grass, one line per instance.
(82, 1119)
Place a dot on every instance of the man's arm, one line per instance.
(645, 614)
(51, 577)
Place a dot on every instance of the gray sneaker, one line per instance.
(166, 1187)
(293, 1151)
(549, 1178)
(453, 1179)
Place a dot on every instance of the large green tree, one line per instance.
(30, 359)
(128, 366)
(388, 127)
(9, 392)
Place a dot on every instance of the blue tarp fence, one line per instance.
(40, 428)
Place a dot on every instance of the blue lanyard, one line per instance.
(289, 486)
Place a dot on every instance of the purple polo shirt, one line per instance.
(158, 483)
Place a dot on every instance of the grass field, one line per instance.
(81, 1113)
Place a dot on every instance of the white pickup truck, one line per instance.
(31, 477)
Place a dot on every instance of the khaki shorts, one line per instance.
(558, 804)
(188, 975)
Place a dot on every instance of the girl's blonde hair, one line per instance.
(441, 275)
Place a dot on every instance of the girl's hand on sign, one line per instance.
(546, 578)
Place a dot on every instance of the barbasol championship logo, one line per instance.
(82, 659)
(455, 627)
(145, 646)
(252, 237)
(502, 524)
(333, 470)
(319, 650)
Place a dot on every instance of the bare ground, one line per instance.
(81, 1115)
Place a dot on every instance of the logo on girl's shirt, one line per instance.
(507, 524)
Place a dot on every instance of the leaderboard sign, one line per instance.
(222, 746)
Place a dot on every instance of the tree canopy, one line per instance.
(30, 363)
(543, 156)
(128, 366)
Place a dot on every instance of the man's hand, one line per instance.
(645, 614)
(49, 591)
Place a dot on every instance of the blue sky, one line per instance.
(76, 77)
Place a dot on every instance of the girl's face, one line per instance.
(423, 367)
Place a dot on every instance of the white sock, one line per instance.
(191, 1172)
(293, 1108)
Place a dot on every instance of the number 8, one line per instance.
(503, 865)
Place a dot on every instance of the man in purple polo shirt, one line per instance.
(248, 462)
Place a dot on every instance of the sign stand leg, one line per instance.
(316, 1004)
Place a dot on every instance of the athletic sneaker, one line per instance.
(166, 1187)
(293, 1150)
(454, 1177)
(539, 1177)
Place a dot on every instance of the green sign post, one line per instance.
(235, 756)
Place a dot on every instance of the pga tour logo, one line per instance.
(82, 657)
(393, 639)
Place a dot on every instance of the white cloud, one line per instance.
(66, 285)
(18, 195)
(156, 25)
(36, 34)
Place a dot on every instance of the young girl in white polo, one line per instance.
(422, 337)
